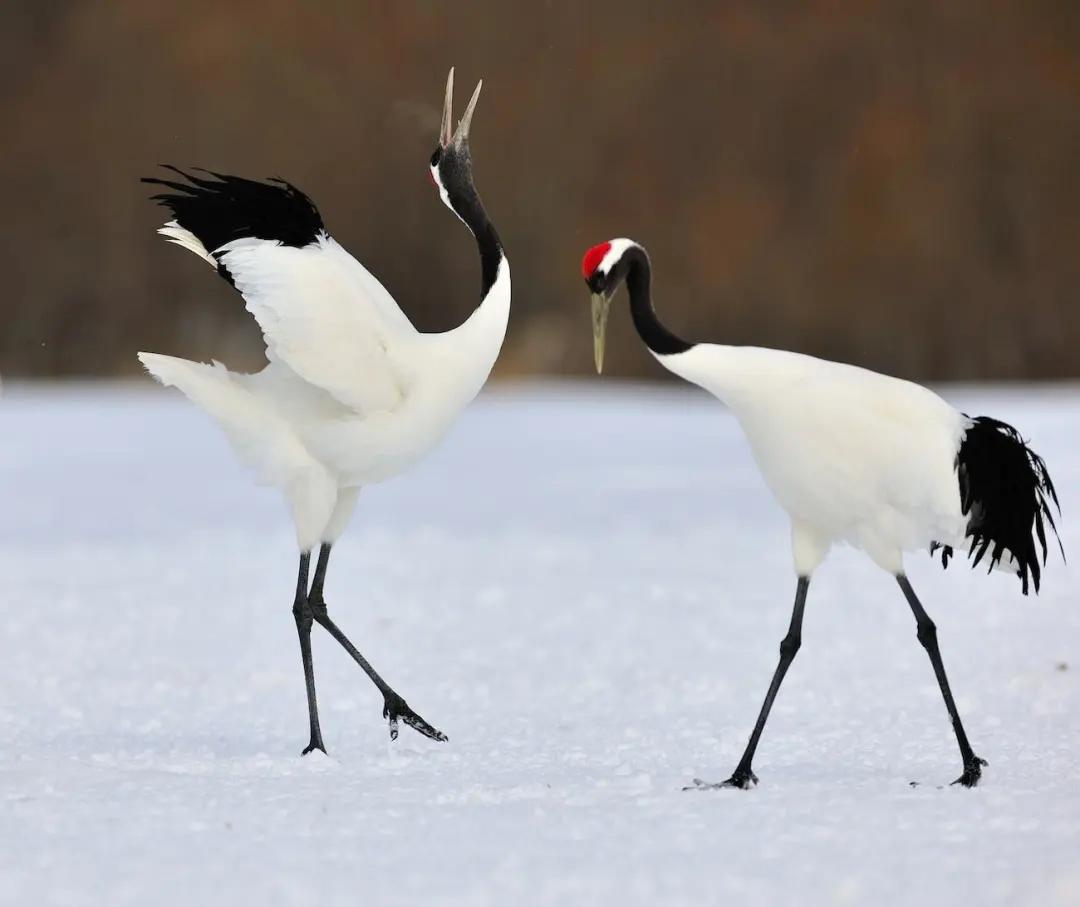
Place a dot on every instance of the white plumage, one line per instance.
(851, 455)
(353, 394)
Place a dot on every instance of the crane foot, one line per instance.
(972, 771)
(742, 779)
(397, 709)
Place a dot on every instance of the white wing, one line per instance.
(326, 317)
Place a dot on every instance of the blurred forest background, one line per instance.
(896, 184)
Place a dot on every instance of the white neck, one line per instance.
(476, 343)
(487, 324)
(721, 370)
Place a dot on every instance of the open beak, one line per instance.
(460, 137)
(601, 305)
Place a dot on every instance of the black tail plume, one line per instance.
(1005, 491)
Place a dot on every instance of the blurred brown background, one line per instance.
(890, 183)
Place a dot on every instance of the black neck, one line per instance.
(639, 285)
(471, 210)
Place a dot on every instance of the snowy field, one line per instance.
(584, 588)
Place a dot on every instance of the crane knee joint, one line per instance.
(302, 613)
(316, 607)
(789, 645)
(927, 633)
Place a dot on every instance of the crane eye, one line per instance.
(436, 157)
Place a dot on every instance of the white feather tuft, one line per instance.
(174, 233)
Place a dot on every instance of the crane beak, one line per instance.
(460, 137)
(601, 306)
(445, 136)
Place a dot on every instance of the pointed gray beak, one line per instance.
(460, 137)
(601, 306)
(447, 112)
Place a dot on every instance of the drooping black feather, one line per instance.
(223, 208)
(1005, 491)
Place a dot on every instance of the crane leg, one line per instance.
(927, 635)
(744, 776)
(394, 707)
(303, 615)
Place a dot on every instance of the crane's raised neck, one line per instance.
(639, 285)
(482, 333)
(471, 210)
(451, 171)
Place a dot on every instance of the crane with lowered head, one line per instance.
(853, 456)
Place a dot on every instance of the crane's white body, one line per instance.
(353, 394)
(852, 455)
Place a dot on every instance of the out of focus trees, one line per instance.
(891, 183)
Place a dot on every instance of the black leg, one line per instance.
(394, 707)
(302, 613)
(927, 635)
(744, 776)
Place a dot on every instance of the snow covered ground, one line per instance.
(585, 588)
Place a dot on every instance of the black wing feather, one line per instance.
(219, 208)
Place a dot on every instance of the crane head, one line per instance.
(604, 268)
(451, 164)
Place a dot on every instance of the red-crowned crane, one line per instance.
(353, 394)
(853, 456)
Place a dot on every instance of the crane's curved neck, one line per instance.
(639, 285)
(491, 256)
(471, 210)
(480, 336)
